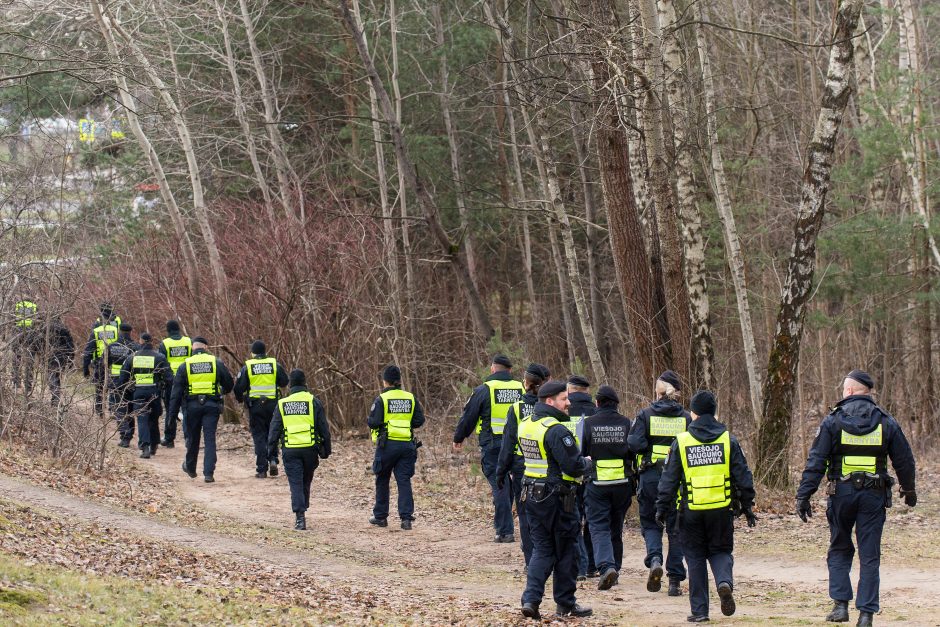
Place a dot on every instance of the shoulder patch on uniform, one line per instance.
(818, 431)
(372, 409)
(568, 440)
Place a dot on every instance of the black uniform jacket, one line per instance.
(560, 446)
(242, 385)
(161, 372)
(376, 418)
(321, 427)
(858, 414)
(605, 437)
(705, 429)
(581, 405)
(180, 391)
(478, 408)
(638, 440)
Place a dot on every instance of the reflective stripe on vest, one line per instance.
(661, 430)
(177, 351)
(532, 444)
(24, 311)
(398, 407)
(202, 375)
(143, 367)
(297, 415)
(707, 469)
(104, 335)
(262, 377)
(872, 442)
(502, 396)
(610, 471)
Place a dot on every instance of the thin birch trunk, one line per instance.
(153, 159)
(417, 186)
(282, 166)
(241, 113)
(729, 228)
(774, 431)
(451, 131)
(189, 150)
(703, 352)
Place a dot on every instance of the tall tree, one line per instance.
(774, 430)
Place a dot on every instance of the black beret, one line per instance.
(172, 326)
(579, 381)
(296, 378)
(257, 347)
(126, 327)
(145, 337)
(391, 374)
(502, 360)
(200, 340)
(703, 403)
(671, 378)
(608, 394)
(105, 308)
(538, 370)
(862, 377)
(552, 388)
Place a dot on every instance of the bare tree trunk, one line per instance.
(703, 352)
(676, 293)
(774, 430)
(478, 312)
(241, 113)
(153, 159)
(189, 149)
(732, 244)
(564, 285)
(452, 143)
(282, 166)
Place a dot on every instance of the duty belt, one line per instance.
(866, 481)
(659, 463)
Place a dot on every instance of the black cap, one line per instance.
(538, 370)
(607, 394)
(671, 378)
(126, 327)
(200, 340)
(703, 403)
(862, 377)
(296, 378)
(257, 347)
(579, 381)
(106, 309)
(502, 360)
(391, 374)
(146, 337)
(172, 326)
(552, 388)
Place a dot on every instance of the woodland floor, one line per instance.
(145, 543)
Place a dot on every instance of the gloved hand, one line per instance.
(751, 518)
(910, 497)
(660, 517)
(804, 509)
(501, 482)
(85, 373)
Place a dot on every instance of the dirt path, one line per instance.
(442, 559)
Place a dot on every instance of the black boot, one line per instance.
(378, 522)
(864, 620)
(301, 523)
(531, 610)
(655, 580)
(675, 589)
(272, 469)
(727, 598)
(608, 579)
(576, 610)
(839, 613)
(145, 453)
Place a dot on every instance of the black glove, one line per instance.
(660, 517)
(910, 497)
(751, 518)
(85, 373)
(804, 509)
(501, 482)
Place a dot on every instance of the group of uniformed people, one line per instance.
(572, 468)
(570, 464)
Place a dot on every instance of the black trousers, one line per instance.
(299, 464)
(260, 412)
(554, 534)
(147, 411)
(707, 538)
(201, 420)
